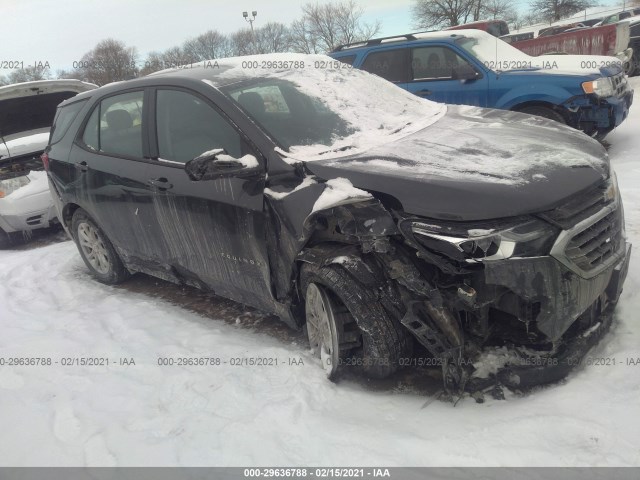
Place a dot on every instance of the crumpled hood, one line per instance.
(476, 164)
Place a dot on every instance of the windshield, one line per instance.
(322, 106)
(494, 53)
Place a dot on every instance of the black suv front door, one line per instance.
(212, 229)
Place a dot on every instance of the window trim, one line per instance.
(442, 79)
(144, 127)
(402, 48)
(154, 149)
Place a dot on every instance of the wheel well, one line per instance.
(67, 213)
(538, 103)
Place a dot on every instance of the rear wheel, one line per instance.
(544, 112)
(346, 323)
(96, 250)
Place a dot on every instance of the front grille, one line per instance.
(619, 84)
(596, 244)
(35, 220)
(593, 244)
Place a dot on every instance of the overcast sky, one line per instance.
(61, 31)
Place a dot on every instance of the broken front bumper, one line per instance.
(599, 116)
(594, 299)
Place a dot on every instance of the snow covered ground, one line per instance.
(227, 415)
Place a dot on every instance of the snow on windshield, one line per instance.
(375, 111)
(489, 49)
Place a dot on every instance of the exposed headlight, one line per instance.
(529, 238)
(603, 87)
(12, 184)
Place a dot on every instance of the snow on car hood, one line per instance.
(477, 164)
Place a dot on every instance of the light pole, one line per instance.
(250, 20)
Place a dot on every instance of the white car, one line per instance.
(26, 115)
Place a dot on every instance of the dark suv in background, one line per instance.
(383, 223)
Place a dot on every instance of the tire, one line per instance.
(634, 65)
(380, 340)
(7, 239)
(544, 112)
(96, 250)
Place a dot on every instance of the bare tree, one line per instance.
(207, 46)
(110, 61)
(553, 10)
(175, 57)
(531, 18)
(499, 10)
(242, 42)
(445, 13)
(28, 74)
(274, 37)
(323, 27)
(302, 38)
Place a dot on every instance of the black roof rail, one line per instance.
(378, 41)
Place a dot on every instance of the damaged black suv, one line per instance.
(381, 222)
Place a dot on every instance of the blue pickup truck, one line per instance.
(472, 67)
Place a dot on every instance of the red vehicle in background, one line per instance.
(610, 40)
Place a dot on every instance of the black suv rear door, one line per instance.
(213, 229)
(110, 173)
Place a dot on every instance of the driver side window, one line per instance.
(187, 127)
(435, 63)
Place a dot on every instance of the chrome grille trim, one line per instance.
(620, 85)
(594, 244)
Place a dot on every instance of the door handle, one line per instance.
(82, 166)
(424, 92)
(160, 183)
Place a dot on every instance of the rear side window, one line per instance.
(391, 65)
(115, 126)
(63, 119)
(348, 59)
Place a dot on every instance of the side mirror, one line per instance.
(465, 72)
(218, 163)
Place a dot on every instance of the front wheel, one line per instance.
(347, 324)
(96, 250)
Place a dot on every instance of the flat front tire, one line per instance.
(346, 321)
(96, 250)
